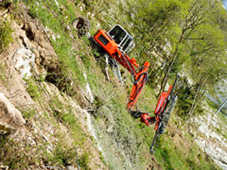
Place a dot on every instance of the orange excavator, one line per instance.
(115, 44)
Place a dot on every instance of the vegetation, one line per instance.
(176, 35)
(173, 35)
(5, 35)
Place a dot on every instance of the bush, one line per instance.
(84, 161)
(5, 35)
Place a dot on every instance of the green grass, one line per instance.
(84, 161)
(222, 117)
(182, 154)
(63, 114)
(28, 114)
(5, 35)
(222, 121)
(15, 154)
(62, 155)
(65, 154)
(3, 77)
(32, 88)
(65, 150)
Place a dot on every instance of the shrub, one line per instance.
(5, 35)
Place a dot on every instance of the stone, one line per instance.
(209, 140)
(10, 117)
(24, 61)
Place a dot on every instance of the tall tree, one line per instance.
(207, 62)
(196, 15)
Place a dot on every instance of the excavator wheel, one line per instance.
(82, 25)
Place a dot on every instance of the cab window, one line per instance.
(118, 34)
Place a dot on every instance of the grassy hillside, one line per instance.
(120, 142)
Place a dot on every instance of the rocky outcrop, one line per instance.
(210, 137)
(10, 117)
(32, 56)
(24, 62)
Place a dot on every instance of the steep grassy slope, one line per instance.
(60, 102)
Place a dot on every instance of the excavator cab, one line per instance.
(117, 39)
(123, 39)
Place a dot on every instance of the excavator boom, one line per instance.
(140, 79)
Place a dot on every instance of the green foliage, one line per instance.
(212, 104)
(185, 102)
(154, 20)
(28, 114)
(63, 155)
(84, 161)
(63, 114)
(32, 88)
(191, 28)
(5, 35)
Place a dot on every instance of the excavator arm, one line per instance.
(163, 110)
(140, 78)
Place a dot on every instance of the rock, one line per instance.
(24, 61)
(71, 167)
(4, 167)
(88, 92)
(209, 139)
(10, 117)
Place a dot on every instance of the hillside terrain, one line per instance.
(58, 110)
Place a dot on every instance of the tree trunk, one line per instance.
(194, 104)
(196, 100)
(164, 80)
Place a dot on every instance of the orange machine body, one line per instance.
(145, 118)
(111, 47)
(106, 42)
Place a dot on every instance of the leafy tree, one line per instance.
(196, 34)
(207, 61)
(154, 24)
